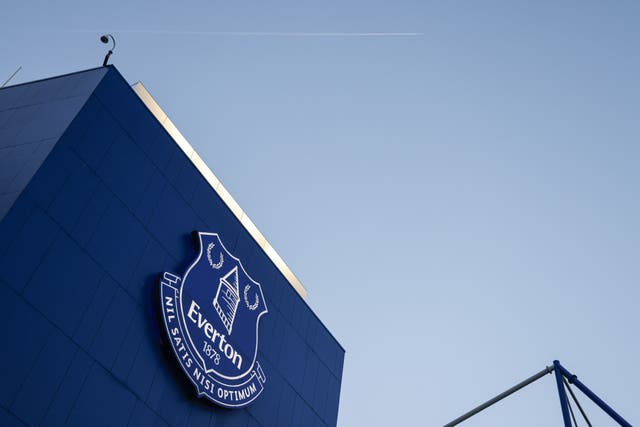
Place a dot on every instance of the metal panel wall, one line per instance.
(81, 249)
(32, 118)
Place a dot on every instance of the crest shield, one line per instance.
(212, 316)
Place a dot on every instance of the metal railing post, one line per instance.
(563, 395)
(591, 395)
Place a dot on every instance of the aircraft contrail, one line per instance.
(260, 33)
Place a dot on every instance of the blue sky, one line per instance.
(461, 204)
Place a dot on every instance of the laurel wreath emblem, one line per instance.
(211, 263)
(246, 299)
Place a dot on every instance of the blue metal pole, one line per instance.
(563, 395)
(591, 395)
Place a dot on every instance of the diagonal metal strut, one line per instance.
(471, 413)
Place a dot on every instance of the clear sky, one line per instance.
(462, 204)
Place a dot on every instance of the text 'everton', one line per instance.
(212, 333)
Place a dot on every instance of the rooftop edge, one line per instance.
(217, 186)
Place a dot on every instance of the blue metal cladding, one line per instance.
(109, 205)
(32, 118)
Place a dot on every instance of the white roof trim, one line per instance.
(217, 186)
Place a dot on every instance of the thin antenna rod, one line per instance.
(575, 399)
(12, 76)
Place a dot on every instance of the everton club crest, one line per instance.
(212, 314)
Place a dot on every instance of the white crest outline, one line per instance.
(188, 335)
